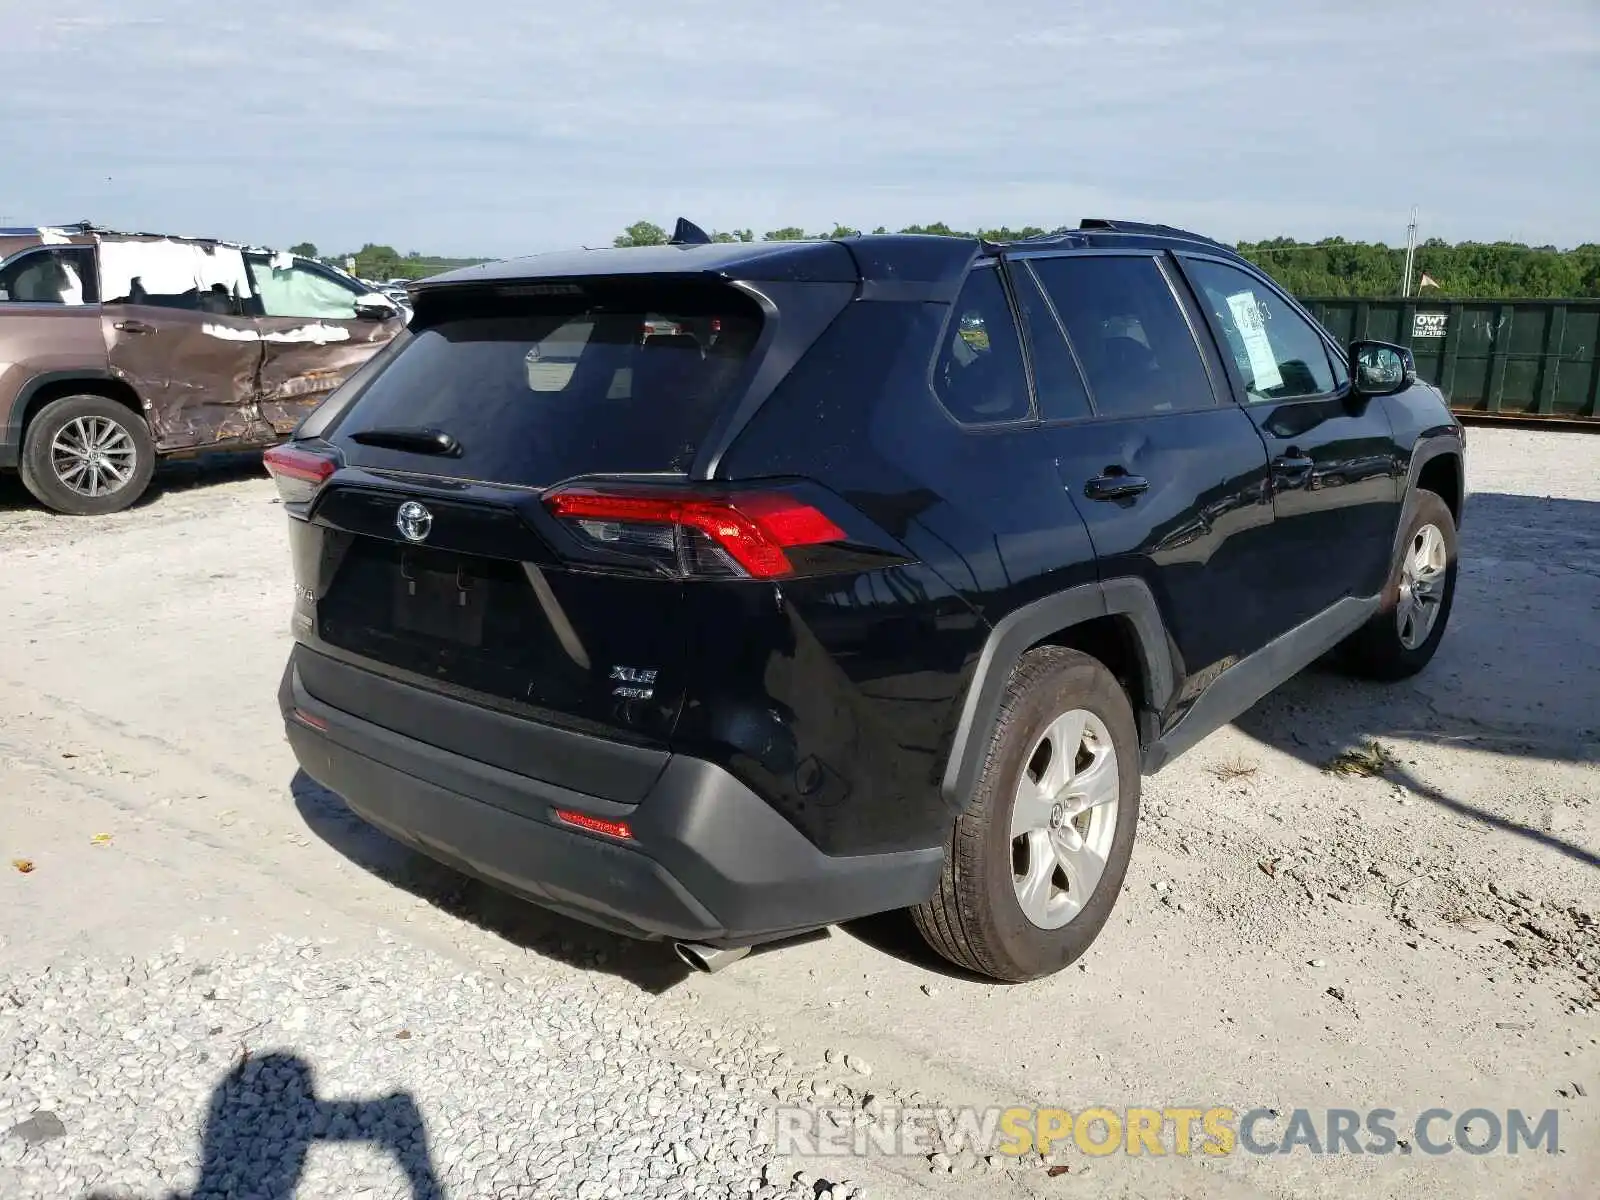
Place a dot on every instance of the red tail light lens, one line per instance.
(738, 536)
(298, 472)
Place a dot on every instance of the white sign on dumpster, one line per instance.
(1428, 324)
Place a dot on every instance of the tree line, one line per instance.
(1330, 267)
(384, 262)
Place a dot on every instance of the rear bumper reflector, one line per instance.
(578, 820)
(305, 718)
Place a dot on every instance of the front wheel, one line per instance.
(1037, 860)
(1403, 634)
(87, 456)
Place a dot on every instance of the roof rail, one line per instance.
(1146, 227)
(1064, 234)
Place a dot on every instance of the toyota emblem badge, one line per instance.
(413, 521)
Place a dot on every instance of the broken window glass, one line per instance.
(293, 290)
(173, 274)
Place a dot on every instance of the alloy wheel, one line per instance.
(1422, 580)
(1064, 818)
(93, 455)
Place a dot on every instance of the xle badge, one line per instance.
(633, 683)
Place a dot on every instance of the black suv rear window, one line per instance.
(537, 391)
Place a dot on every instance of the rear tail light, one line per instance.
(739, 536)
(298, 472)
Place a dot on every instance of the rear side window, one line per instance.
(979, 375)
(1129, 333)
(58, 275)
(537, 396)
(1278, 354)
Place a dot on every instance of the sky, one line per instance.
(470, 128)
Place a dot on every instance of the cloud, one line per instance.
(478, 128)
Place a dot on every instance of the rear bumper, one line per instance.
(709, 861)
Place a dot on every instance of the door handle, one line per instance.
(134, 327)
(1115, 485)
(1293, 462)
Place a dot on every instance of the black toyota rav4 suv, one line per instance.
(719, 592)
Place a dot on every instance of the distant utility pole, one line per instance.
(1411, 252)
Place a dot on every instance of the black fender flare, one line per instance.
(1431, 444)
(1014, 634)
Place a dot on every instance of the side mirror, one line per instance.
(1381, 368)
(375, 306)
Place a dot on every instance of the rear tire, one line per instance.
(1403, 634)
(1041, 818)
(86, 456)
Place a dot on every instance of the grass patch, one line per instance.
(1230, 769)
(1370, 760)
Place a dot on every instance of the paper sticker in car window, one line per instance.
(1249, 319)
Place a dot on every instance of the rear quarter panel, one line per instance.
(833, 698)
(854, 683)
(45, 339)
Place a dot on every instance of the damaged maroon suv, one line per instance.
(118, 349)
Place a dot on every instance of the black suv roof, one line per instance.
(888, 258)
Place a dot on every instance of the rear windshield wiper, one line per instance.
(415, 438)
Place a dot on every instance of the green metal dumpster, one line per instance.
(1532, 359)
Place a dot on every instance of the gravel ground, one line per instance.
(247, 1061)
(215, 981)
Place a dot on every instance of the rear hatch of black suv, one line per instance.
(513, 506)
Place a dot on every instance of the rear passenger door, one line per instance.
(176, 329)
(1335, 469)
(1168, 475)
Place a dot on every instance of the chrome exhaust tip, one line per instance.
(707, 959)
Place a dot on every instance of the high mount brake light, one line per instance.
(748, 533)
(298, 472)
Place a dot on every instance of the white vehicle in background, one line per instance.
(395, 291)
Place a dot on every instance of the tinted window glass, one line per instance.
(1129, 332)
(1056, 379)
(979, 374)
(1279, 355)
(55, 276)
(535, 397)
